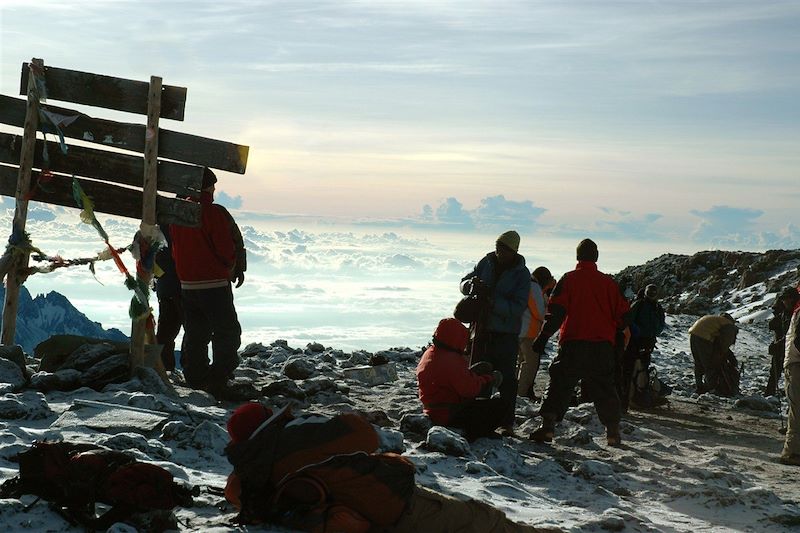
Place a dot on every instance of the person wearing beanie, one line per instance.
(207, 259)
(542, 282)
(647, 322)
(448, 387)
(587, 308)
(502, 277)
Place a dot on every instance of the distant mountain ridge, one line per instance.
(714, 281)
(41, 317)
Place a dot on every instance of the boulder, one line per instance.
(415, 423)
(284, 387)
(299, 368)
(11, 376)
(16, 355)
(447, 441)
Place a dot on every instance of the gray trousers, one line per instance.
(792, 444)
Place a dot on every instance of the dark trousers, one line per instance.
(706, 364)
(500, 349)
(170, 319)
(209, 317)
(479, 417)
(592, 363)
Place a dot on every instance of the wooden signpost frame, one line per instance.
(106, 175)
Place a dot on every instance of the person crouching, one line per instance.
(449, 388)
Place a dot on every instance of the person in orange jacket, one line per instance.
(448, 387)
(542, 283)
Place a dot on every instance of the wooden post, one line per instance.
(139, 328)
(14, 279)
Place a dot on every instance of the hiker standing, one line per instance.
(170, 310)
(448, 387)
(542, 284)
(710, 339)
(501, 274)
(647, 322)
(207, 259)
(779, 325)
(791, 368)
(588, 308)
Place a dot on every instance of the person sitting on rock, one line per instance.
(315, 473)
(710, 339)
(448, 387)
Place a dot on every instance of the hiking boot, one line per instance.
(613, 435)
(506, 431)
(792, 460)
(546, 431)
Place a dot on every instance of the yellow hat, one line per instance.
(510, 239)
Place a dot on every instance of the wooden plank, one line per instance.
(107, 91)
(117, 167)
(140, 324)
(21, 187)
(203, 151)
(109, 199)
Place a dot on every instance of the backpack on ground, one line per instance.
(646, 389)
(729, 377)
(319, 474)
(75, 477)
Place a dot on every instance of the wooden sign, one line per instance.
(117, 167)
(180, 171)
(107, 198)
(171, 144)
(106, 91)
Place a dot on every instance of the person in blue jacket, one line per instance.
(502, 277)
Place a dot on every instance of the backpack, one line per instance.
(647, 390)
(729, 377)
(371, 489)
(289, 472)
(74, 477)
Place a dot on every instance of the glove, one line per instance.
(238, 278)
(539, 345)
(498, 378)
(482, 367)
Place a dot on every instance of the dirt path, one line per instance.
(748, 439)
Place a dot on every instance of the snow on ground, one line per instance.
(700, 464)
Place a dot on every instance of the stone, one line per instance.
(447, 441)
(318, 384)
(15, 354)
(177, 431)
(11, 377)
(29, 405)
(113, 368)
(45, 381)
(299, 368)
(391, 440)
(109, 417)
(418, 424)
(284, 387)
(209, 436)
(87, 355)
(372, 375)
(68, 379)
(315, 347)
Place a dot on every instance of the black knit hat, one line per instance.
(587, 250)
(209, 178)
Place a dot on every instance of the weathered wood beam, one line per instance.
(107, 91)
(117, 167)
(108, 198)
(202, 151)
(21, 185)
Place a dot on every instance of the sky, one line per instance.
(653, 121)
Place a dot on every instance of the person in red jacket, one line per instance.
(207, 258)
(448, 387)
(588, 308)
